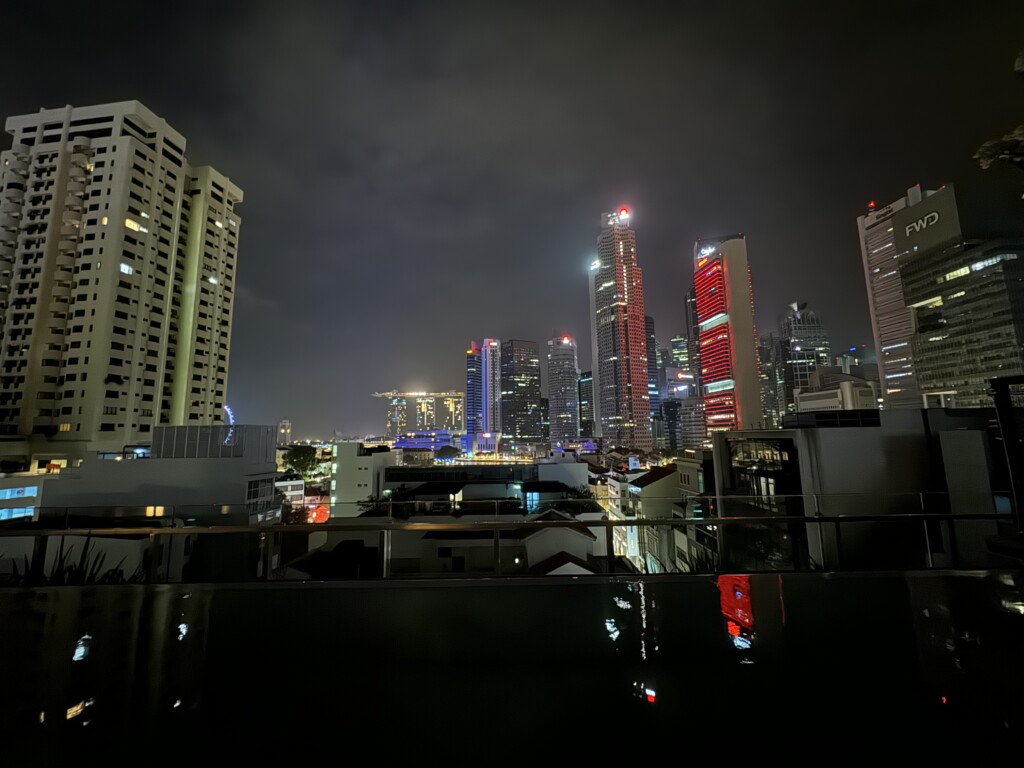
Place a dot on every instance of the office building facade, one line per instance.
(653, 388)
(891, 319)
(520, 392)
(474, 390)
(693, 339)
(490, 393)
(563, 389)
(806, 346)
(966, 296)
(619, 328)
(680, 350)
(773, 382)
(117, 280)
(586, 400)
(728, 339)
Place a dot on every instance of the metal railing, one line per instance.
(498, 538)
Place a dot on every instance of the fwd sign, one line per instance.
(922, 223)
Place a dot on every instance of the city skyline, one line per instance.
(451, 132)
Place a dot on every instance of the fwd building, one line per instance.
(965, 296)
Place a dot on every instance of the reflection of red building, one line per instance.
(734, 594)
(727, 337)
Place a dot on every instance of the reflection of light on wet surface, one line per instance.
(81, 648)
(1013, 606)
(75, 709)
(613, 631)
(645, 692)
(643, 621)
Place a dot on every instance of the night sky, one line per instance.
(420, 174)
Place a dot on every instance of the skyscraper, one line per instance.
(520, 391)
(117, 278)
(806, 346)
(474, 391)
(490, 393)
(891, 319)
(563, 389)
(653, 390)
(693, 339)
(966, 299)
(728, 338)
(586, 387)
(684, 424)
(618, 326)
(773, 382)
(681, 352)
(284, 432)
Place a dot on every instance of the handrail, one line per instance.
(490, 525)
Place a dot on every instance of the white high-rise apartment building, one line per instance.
(117, 280)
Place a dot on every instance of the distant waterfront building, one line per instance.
(284, 432)
(490, 382)
(728, 339)
(431, 440)
(117, 282)
(423, 412)
(618, 326)
(563, 389)
(586, 400)
(891, 318)
(806, 346)
(520, 391)
(966, 300)
(474, 390)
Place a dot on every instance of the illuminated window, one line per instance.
(64, 427)
(957, 273)
(126, 269)
(154, 511)
(103, 221)
(132, 224)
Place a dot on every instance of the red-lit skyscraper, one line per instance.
(619, 331)
(728, 338)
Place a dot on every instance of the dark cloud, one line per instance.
(419, 174)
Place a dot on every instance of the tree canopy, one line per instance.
(302, 459)
(1010, 147)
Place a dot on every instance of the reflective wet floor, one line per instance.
(928, 664)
